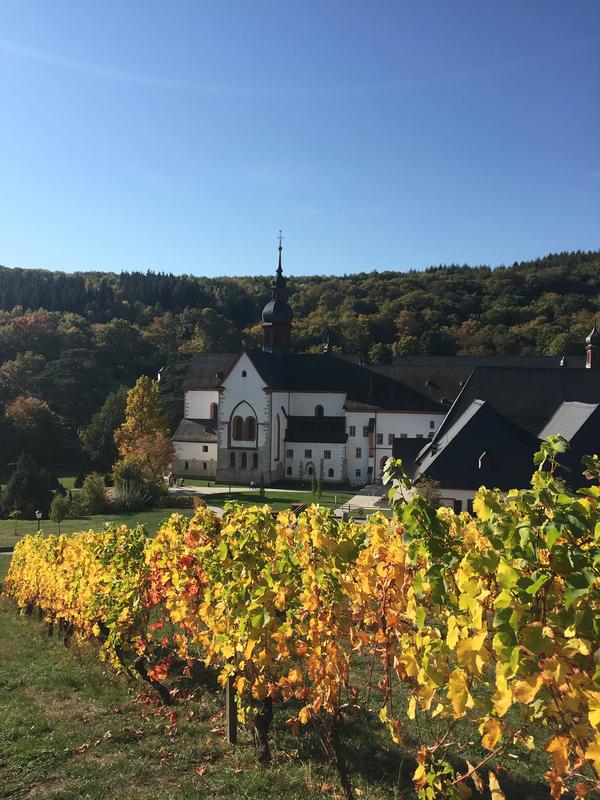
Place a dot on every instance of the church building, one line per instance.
(274, 415)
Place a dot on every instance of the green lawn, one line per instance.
(278, 500)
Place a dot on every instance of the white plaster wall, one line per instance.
(393, 424)
(302, 404)
(197, 404)
(448, 496)
(358, 419)
(249, 389)
(299, 461)
(196, 458)
(279, 403)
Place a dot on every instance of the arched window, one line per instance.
(288, 471)
(214, 410)
(237, 432)
(244, 373)
(244, 460)
(232, 460)
(250, 429)
(254, 460)
(319, 411)
(204, 465)
(310, 469)
(330, 472)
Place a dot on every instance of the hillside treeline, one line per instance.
(68, 340)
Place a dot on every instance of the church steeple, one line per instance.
(592, 349)
(277, 315)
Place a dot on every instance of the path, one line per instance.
(371, 498)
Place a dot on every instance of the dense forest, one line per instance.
(67, 341)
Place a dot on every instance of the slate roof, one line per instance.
(489, 361)
(408, 450)
(196, 430)
(207, 370)
(568, 419)
(452, 458)
(329, 430)
(325, 372)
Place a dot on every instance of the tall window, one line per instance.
(319, 411)
(431, 424)
(390, 439)
(352, 430)
(289, 453)
(326, 454)
(308, 454)
(359, 452)
(238, 424)
(380, 438)
(244, 460)
(250, 429)
(232, 460)
(330, 472)
(214, 410)
(365, 431)
(278, 439)
(254, 460)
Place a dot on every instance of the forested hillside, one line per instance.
(68, 340)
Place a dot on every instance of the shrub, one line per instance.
(60, 509)
(27, 490)
(93, 498)
(133, 490)
(78, 482)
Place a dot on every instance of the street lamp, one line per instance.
(38, 516)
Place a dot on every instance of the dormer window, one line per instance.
(485, 462)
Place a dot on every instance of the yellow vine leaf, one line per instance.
(495, 790)
(458, 692)
(558, 747)
(502, 697)
(491, 731)
(525, 690)
(593, 755)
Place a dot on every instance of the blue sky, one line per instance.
(180, 136)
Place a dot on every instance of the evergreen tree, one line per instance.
(98, 438)
(27, 490)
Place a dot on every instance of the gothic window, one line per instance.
(186, 465)
(232, 460)
(214, 410)
(330, 472)
(204, 465)
(310, 469)
(244, 460)
(319, 411)
(254, 460)
(238, 424)
(250, 429)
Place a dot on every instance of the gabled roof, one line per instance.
(329, 430)
(196, 430)
(454, 457)
(207, 370)
(518, 362)
(568, 419)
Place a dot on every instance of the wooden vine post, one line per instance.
(230, 711)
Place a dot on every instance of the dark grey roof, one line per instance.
(568, 419)
(207, 370)
(323, 372)
(196, 430)
(489, 361)
(453, 458)
(277, 312)
(408, 450)
(316, 429)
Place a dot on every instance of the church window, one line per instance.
(319, 411)
(244, 373)
(238, 424)
(250, 429)
(310, 469)
(352, 430)
(380, 438)
(214, 411)
(232, 460)
(288, 471)
(359, 452)
(254, 460)
(204, 465)
(357, 473)
(289, 453)
(365, 431)
(308, 454)
(330, 472)
(390, 439)
(327, 454)
(244, 460)
(186, 465)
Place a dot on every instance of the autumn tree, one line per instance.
(143, 438)
(37, 428)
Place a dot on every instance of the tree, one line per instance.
(98, 438)
(92, 498)
(27, 490)
(429, 490)
(38, 429)
(143, 437)
(59, 509)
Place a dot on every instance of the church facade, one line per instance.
(274, 415)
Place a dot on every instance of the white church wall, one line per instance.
(279, 409)
(300, 456)
(197, 404)
(195, 459)
(303, 404)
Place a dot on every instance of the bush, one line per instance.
(78, 482)
(27, 490)
(134, 491)
(92, 499)
(60, 509)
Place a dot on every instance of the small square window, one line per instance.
(289, 453)
(352, 430)
(365, 431)
(359, 452)
(205, 448)
(390, 439)
(308, 454)
(357, 473)
(380, 438)
(327, 454)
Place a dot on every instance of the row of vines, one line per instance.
(431, 617)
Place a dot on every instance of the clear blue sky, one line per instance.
(181, 136)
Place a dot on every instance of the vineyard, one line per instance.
(430, 621)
